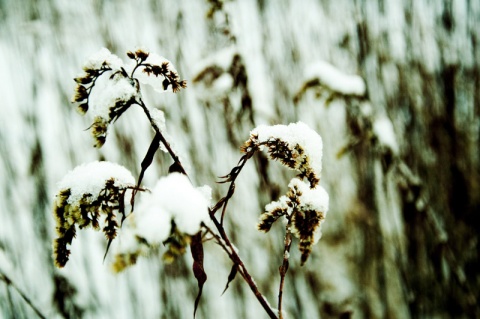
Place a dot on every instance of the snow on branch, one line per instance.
(336, 80)
(330, 82)
(383, 130)
(103, 59)
(296, 146)
(220, 73)
(84, 194)
(154, 66)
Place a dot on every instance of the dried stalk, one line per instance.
(284, 267)
(228, 247)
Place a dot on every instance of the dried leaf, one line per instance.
(176, 168)
(231, 276)
(196, 248)
(146, 162)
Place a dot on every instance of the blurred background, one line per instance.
(401, 159)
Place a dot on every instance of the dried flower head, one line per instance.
(87, 193)
(117, 94)
(155, 66)
(296, 146)
(113, 96)
(304, 208)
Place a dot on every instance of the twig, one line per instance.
(162, 138)
(243, 270)
(284, 267)
(230, 177)
(10, 283)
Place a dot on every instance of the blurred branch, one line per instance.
(10, 283)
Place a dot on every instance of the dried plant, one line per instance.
(174, 213)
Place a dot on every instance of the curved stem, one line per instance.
(139, 63)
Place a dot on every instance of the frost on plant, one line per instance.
(171, 214)
(90, 195)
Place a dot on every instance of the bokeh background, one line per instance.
(401, 162)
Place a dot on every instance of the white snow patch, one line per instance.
(109, 93)
(104, 56)
(295, 133)
(335, 79)
(311, 198)
(158, 117)
(90, 178)
(174, 197)
(383, 129)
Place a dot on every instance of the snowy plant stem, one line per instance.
(242, 269)
(162, 138)
(284, 268)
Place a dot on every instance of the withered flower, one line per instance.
(86, 193)
(296, 146)
(80, 93)
(304, 208)
(141, 54)
(158, 66)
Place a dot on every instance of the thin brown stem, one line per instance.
(231, 177)
(227, 246)
(162, 138)
(242, 269)
(284, 268)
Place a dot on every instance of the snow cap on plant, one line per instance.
(121, 89)
(306, 203)
(304, 208)
(87, 192)
(171, 214)
(295, 145)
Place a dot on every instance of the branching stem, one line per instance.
(232, 253)
(227, 246)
